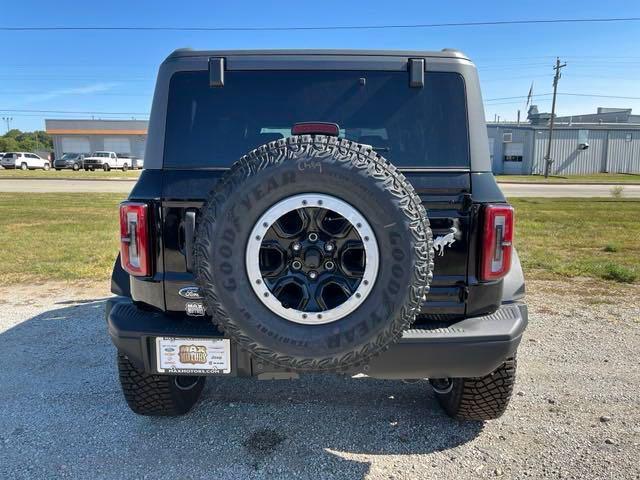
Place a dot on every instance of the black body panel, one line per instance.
(447, 196)
(453, 199)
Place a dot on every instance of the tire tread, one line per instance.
(481, 398)
(154, 395)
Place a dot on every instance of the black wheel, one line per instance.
(76, 167)
(125, 167)
(58, 169)
(158, 395)
(483, 398)
(106, 167)
(86, 169)
(336, 246)
(23, 166)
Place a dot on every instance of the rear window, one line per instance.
(416, 127)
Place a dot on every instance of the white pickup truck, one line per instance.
(106, 161)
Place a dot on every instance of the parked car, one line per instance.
(74, 161)
(280, 228)
(106, 161)
(24, 161)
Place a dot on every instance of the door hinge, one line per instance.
(216, 72)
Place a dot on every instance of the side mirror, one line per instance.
(583, 146)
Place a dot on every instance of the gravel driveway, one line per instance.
(576, 413)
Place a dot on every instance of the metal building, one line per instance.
(577, 148)
(87, 136)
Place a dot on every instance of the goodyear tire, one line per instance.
(481, 398)
(157, 395)
(337, 298)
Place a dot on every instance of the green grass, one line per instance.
(49, 236)
(71, 175)
(573, 237)
(54, 236)
(611, 178)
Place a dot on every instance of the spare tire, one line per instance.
(313, 253)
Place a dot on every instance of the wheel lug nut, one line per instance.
(313, 274)
(296, 265)
(329, 265)
(329, 247)
(296, 247)
(313, 237)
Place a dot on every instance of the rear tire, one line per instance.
(76, 167)
(482, 398)
(46, 166)
(23, 166)
(157, 395)
(125, 167)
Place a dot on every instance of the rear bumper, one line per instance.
(469, 348)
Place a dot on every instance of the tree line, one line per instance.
(17, 140)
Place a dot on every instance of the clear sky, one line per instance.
(115, 71)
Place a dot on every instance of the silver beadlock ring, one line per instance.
(357, 220)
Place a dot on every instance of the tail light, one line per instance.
(134, 239)
(497, 242)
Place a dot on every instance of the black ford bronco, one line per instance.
(317, 211)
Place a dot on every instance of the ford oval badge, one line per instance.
(190, 293)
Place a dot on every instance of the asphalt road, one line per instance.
(48, 185)
(574, 415)
(124, 186)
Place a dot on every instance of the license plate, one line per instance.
(193, 355)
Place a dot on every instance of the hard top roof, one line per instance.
(444, 53)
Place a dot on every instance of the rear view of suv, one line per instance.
(24, 161)
(317, 211)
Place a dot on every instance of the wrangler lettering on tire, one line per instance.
(313, 253)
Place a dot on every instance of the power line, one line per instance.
(333, 27)
(90, 94)
(518, 96)
(599, 96)
(567, 94)
(74, 112)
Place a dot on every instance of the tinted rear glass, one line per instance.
(418, 127)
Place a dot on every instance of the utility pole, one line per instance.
(8, 120)
(556, 77)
